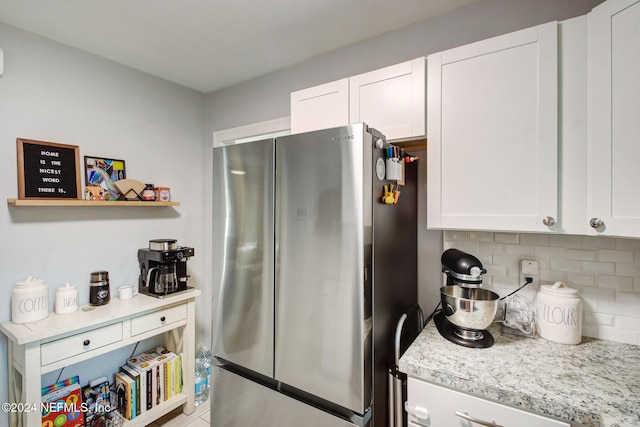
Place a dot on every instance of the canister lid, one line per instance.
(67, 288)
(30, 281)
(559, 289)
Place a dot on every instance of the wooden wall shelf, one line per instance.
(85, 203)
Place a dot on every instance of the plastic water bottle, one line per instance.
(204, 356)
(203, 374)
(202, 384)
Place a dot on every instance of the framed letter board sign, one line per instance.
(48, 170)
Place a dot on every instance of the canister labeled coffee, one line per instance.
(30, 301)
(99, 292)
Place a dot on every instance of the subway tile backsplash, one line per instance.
(605, 270)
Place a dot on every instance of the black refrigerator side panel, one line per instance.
(395, 276)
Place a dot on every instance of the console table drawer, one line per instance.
(64, 348)
(158, 319)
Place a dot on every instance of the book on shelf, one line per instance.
(141, 387)
(160, 375)
(62, 404)
(172, 365)
(125, 395)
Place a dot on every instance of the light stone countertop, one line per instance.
(595, 383)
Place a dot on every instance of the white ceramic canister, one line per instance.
(559, 313)
(30, 301)
(66, 299)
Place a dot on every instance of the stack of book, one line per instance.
(147, 380)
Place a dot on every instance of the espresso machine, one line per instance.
(467, 308)
(163, 268)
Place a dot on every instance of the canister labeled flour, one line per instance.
(559, 313)
(30, 301)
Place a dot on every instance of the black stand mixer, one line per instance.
(467, 309)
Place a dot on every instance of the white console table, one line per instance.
(62, 340)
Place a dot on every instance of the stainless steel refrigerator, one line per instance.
(311, 272)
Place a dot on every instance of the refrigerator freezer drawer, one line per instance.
(246, 403)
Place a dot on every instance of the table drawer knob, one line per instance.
(162, 319)
(86, 342)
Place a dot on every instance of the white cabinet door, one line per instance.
(614, 118)
(391, 99)
(430, 405)
(320, 107)
(493, 133)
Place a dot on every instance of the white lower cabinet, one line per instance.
(429, 405)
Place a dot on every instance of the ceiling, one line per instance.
(210, 44)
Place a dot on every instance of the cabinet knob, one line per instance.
(162, 319)
(548, 221)
(596, 223)
(86, 343)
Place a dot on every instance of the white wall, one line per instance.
(51, 92)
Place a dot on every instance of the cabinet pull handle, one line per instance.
(596, 223)
(162, 319)
(86, 343)
(549, 221)
(476, 420)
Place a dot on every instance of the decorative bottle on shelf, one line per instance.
(203, 373)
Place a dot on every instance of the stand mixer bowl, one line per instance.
(469, 308)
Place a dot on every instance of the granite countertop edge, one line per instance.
(536, 375)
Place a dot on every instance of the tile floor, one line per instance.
(200, 418)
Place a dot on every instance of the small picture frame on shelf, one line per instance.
(100, 175)
(164, 194)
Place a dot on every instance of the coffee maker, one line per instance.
(163, 268)
(467, 308)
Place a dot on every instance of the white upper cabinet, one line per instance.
(320, 107)
(493, 133)
(391, 99)
(613, 183)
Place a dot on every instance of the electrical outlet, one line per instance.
(529, 269)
